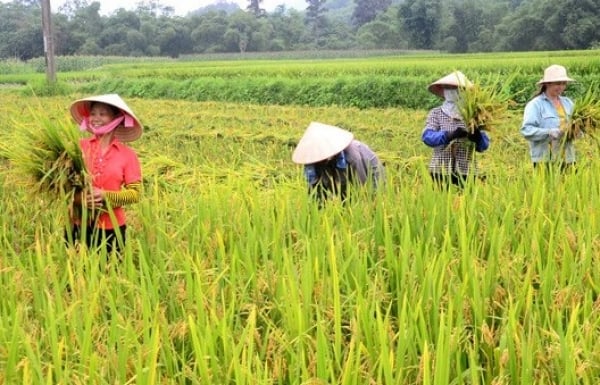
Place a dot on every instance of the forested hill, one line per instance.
(444, 25)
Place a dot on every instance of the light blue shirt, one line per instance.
(539, 118)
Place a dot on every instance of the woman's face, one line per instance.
(450, 93)
(555, 89)
(100, 115)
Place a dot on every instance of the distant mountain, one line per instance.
(336, 9)
(228, 7)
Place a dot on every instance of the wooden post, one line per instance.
(48, 42)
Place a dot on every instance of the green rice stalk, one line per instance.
(585, 117)
(46, 155)
(484, 105)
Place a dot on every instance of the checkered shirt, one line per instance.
(455, 157)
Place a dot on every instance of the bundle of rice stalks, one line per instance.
(46, 156)
(585, 117)
(482, 106)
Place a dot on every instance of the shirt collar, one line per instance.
(113, 143)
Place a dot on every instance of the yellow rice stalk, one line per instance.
(585, 117)
(483, 106)
(46, 156)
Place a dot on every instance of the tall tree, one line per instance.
(581, 28)
(315, 19)
(240, 30)
(70, 7)
(383, 32)
(155, 8)
(367, 10)
(173, 37)
(465, 24)
(254, 7)
(208, 34)
(21, 30)
(288, 28)
(421, 20)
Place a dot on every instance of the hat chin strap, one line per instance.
(105, 129)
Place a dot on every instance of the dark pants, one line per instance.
(111, 240)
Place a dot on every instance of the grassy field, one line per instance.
(233, 276)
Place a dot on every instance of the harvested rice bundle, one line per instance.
(585, 117)
(47, 157)
(483, 106)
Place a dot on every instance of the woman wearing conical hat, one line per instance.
(545, 116)
(333, 160)
(113, 167)
(453, 146)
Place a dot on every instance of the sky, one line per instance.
(182, 7)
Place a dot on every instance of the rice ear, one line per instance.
(46, 156)
(585, 117)
(481, 105)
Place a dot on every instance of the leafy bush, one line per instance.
(45, 88)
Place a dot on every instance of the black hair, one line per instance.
(115, 110)
(541, 90)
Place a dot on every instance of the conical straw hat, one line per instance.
(81, 109)
(319, 142)
(456, 79)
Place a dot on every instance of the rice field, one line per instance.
(232, 275)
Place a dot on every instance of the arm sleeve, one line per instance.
(434, 138)
(482, 143)
(531, 128)
(128, 195)
(310, 174)
(374, 167)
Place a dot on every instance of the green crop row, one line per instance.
(392, 81)
(345, 91)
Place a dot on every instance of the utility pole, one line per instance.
(48, 42)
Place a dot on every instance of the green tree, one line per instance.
(520, 33)
(288, 28)
(262, 36)
(581, 28)
(136, 43)
(173, 36)
(208, 34)
(339, 36)
(465, 19)
(70, 7)
(239, 32)
(254, 7)
(154, 8)
(116, 32)
(316, 21)
(421, 21)
(381, 33)
(21, 30)
(367, 10)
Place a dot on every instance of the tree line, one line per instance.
(152, 29)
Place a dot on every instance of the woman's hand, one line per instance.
(95, 198)
(555, 133)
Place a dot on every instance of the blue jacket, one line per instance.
(539, 118)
